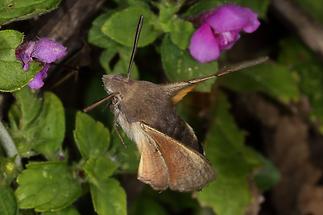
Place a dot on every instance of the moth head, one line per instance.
(116, 84)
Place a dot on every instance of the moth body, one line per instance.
(171, 156)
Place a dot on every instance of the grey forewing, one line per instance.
(147, 102)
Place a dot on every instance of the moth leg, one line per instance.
(115, 129)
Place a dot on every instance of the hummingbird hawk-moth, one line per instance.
(170, 154)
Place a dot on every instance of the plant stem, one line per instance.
(8, 145)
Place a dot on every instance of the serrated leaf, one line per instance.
(99, 168)
(229, 193)
(41, 124)
(270, 78)
(14, 10)
(12, 76)
(65, 211)
(179, 65)
(47, 186)
(94, 143)
(260, 7)
(121, 26)
(8, 204)
(109, 198)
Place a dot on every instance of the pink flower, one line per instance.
(219, 31)
(43, 50)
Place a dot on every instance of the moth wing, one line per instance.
(152, 167)
(188, 170)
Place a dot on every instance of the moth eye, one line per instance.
(118, 77)
(115, 100)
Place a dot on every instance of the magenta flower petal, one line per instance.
(232, 17)
(204, 46)
(38, 81)
(227, 39)
(48, 51)
(24, 52)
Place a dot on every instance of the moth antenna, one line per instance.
(236, 67)
(135, 44)
(233, 68)
(95, 104)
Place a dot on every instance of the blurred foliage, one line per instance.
(66, 167)
(13, 10)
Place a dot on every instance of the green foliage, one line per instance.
(47, 186)
(90, 145)
(65, 211)
(179, 65)
(8, 204)
(14, 10)
(181, 32)
(205, 5)
(98, 167)
(118, 25)
(271, 78)
(12, 76)
(299, 59)
(37, 124)
(37, 120)
(234, 163)
(109, 198)
(112, 49)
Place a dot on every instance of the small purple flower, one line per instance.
(219, 31)
(43, 50)
(38, 81)
(24, 52)
(48, 51)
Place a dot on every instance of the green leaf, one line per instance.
(14, 10)
(121, 26)
(66, 211)
(300, 59)
(271, 78)
(127, 157)
(47, 186)
(37, 124)
(94, 143)
(12, 76)
(8, 204)
(97, 37)
(229, 193)
(179, 65)
(181, 32)
(109, 198)
(112, 49)
(99, 168)
(121, 66)
(259, 7)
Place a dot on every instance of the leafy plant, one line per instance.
(56, 158)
